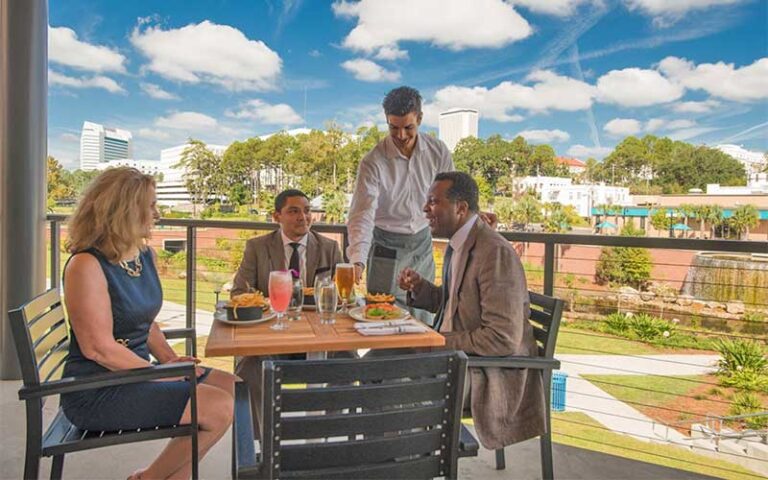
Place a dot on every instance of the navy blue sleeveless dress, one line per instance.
(136, 302)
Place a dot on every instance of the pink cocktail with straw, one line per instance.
(280, 292)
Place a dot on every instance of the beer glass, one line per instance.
(345, 282)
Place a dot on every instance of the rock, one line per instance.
(647, 296)
(182, 275)
(715, 305)
(685, 300)
(735, 308)
(629, 295)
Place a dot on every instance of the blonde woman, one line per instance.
(113, 294)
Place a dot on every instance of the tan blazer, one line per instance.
(490, 318)
(266, 253)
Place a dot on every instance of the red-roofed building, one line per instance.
(575, 166)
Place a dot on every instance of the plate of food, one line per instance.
(376, 312)
(371, 298)
(247, 309)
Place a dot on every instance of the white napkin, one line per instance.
(393, 327)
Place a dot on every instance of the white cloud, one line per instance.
(678, 124)
(207, 52)
(315, 53)
(66, 49)
(98, 81)
(69, 137)
(623, 126)
(558, 8)
(265, 113)
(674, 8)
(156, 92)
(654, 124)
(153, 134)
(390, 52)
(443, 23)
(635, 87)
(191, 121)
(695, 107)
(545, 136)
(583, 151)
(720, 79)
(548, 91)
(689, 133)
(368, 71)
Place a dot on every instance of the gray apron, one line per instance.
(392, 252)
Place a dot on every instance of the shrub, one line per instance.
(617, 322)
(741, 355)
(624, 266)
(745, 403)
(746, 380)
(647, 327)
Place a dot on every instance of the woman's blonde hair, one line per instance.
(112, 214)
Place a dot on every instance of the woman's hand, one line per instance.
(187, 358)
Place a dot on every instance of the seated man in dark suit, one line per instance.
(482, 308)
(293, 246)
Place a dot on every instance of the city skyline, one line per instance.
(577, 74)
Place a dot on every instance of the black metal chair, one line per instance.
(41, 338)
(545, 319)
(394, 417)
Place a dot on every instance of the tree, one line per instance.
(686, 210)
(59, 188)
(335, 206)
(660, 220)
(624, 265)
(527, 210)
(714, 216)
(203, 176)
(743, 218)
(240, 166)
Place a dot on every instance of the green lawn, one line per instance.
(588, 434)
(585, 342)
(627, 387)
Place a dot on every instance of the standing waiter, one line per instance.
(387, 229)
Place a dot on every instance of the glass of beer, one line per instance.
(345, 283)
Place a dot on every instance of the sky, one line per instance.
(579, 75)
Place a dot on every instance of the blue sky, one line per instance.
(578, 74)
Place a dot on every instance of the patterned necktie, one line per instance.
(446, 287)
(294, 262)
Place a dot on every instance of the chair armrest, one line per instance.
(173, 333)
(468, 445)
(514, 362)
(107, 379)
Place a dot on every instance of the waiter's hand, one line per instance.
(490, 218)
(359, 268)
(409, 280)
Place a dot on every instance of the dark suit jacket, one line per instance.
(490, 317)
(266, 253)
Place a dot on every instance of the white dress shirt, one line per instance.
(302, 254)
(457, 242)
(391, 191)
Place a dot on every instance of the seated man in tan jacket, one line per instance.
(292, 246)
(482, 308)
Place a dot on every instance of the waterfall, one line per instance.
(723, 277)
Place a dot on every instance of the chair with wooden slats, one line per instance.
(40, 334)
(545, 320)
(393, 417)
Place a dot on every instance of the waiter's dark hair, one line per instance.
(463, 188)
(282, 198)
(402, 101)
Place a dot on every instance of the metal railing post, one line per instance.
(191, 300)
(549, 268)
(55, 254)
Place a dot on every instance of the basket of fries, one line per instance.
(246, 306)
(372, 298)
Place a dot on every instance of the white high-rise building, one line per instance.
(172, 191)
(99, 144)
(753, 162)
(457, 123)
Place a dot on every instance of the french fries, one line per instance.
(251, 299)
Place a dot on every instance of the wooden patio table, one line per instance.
(306, 335)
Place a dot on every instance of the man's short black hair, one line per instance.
(282, 198)
(401, 101)
(463, 187)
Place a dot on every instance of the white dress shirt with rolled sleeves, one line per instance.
(391, 191)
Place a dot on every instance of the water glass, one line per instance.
(297, 299)
(280, 290)
(327, 298)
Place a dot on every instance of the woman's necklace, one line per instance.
(136, 270)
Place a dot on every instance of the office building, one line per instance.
(754, 162)
(456, 124)
(99, 144)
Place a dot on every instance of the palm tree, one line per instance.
(700, 211)
(714, 218)
(744, 217)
